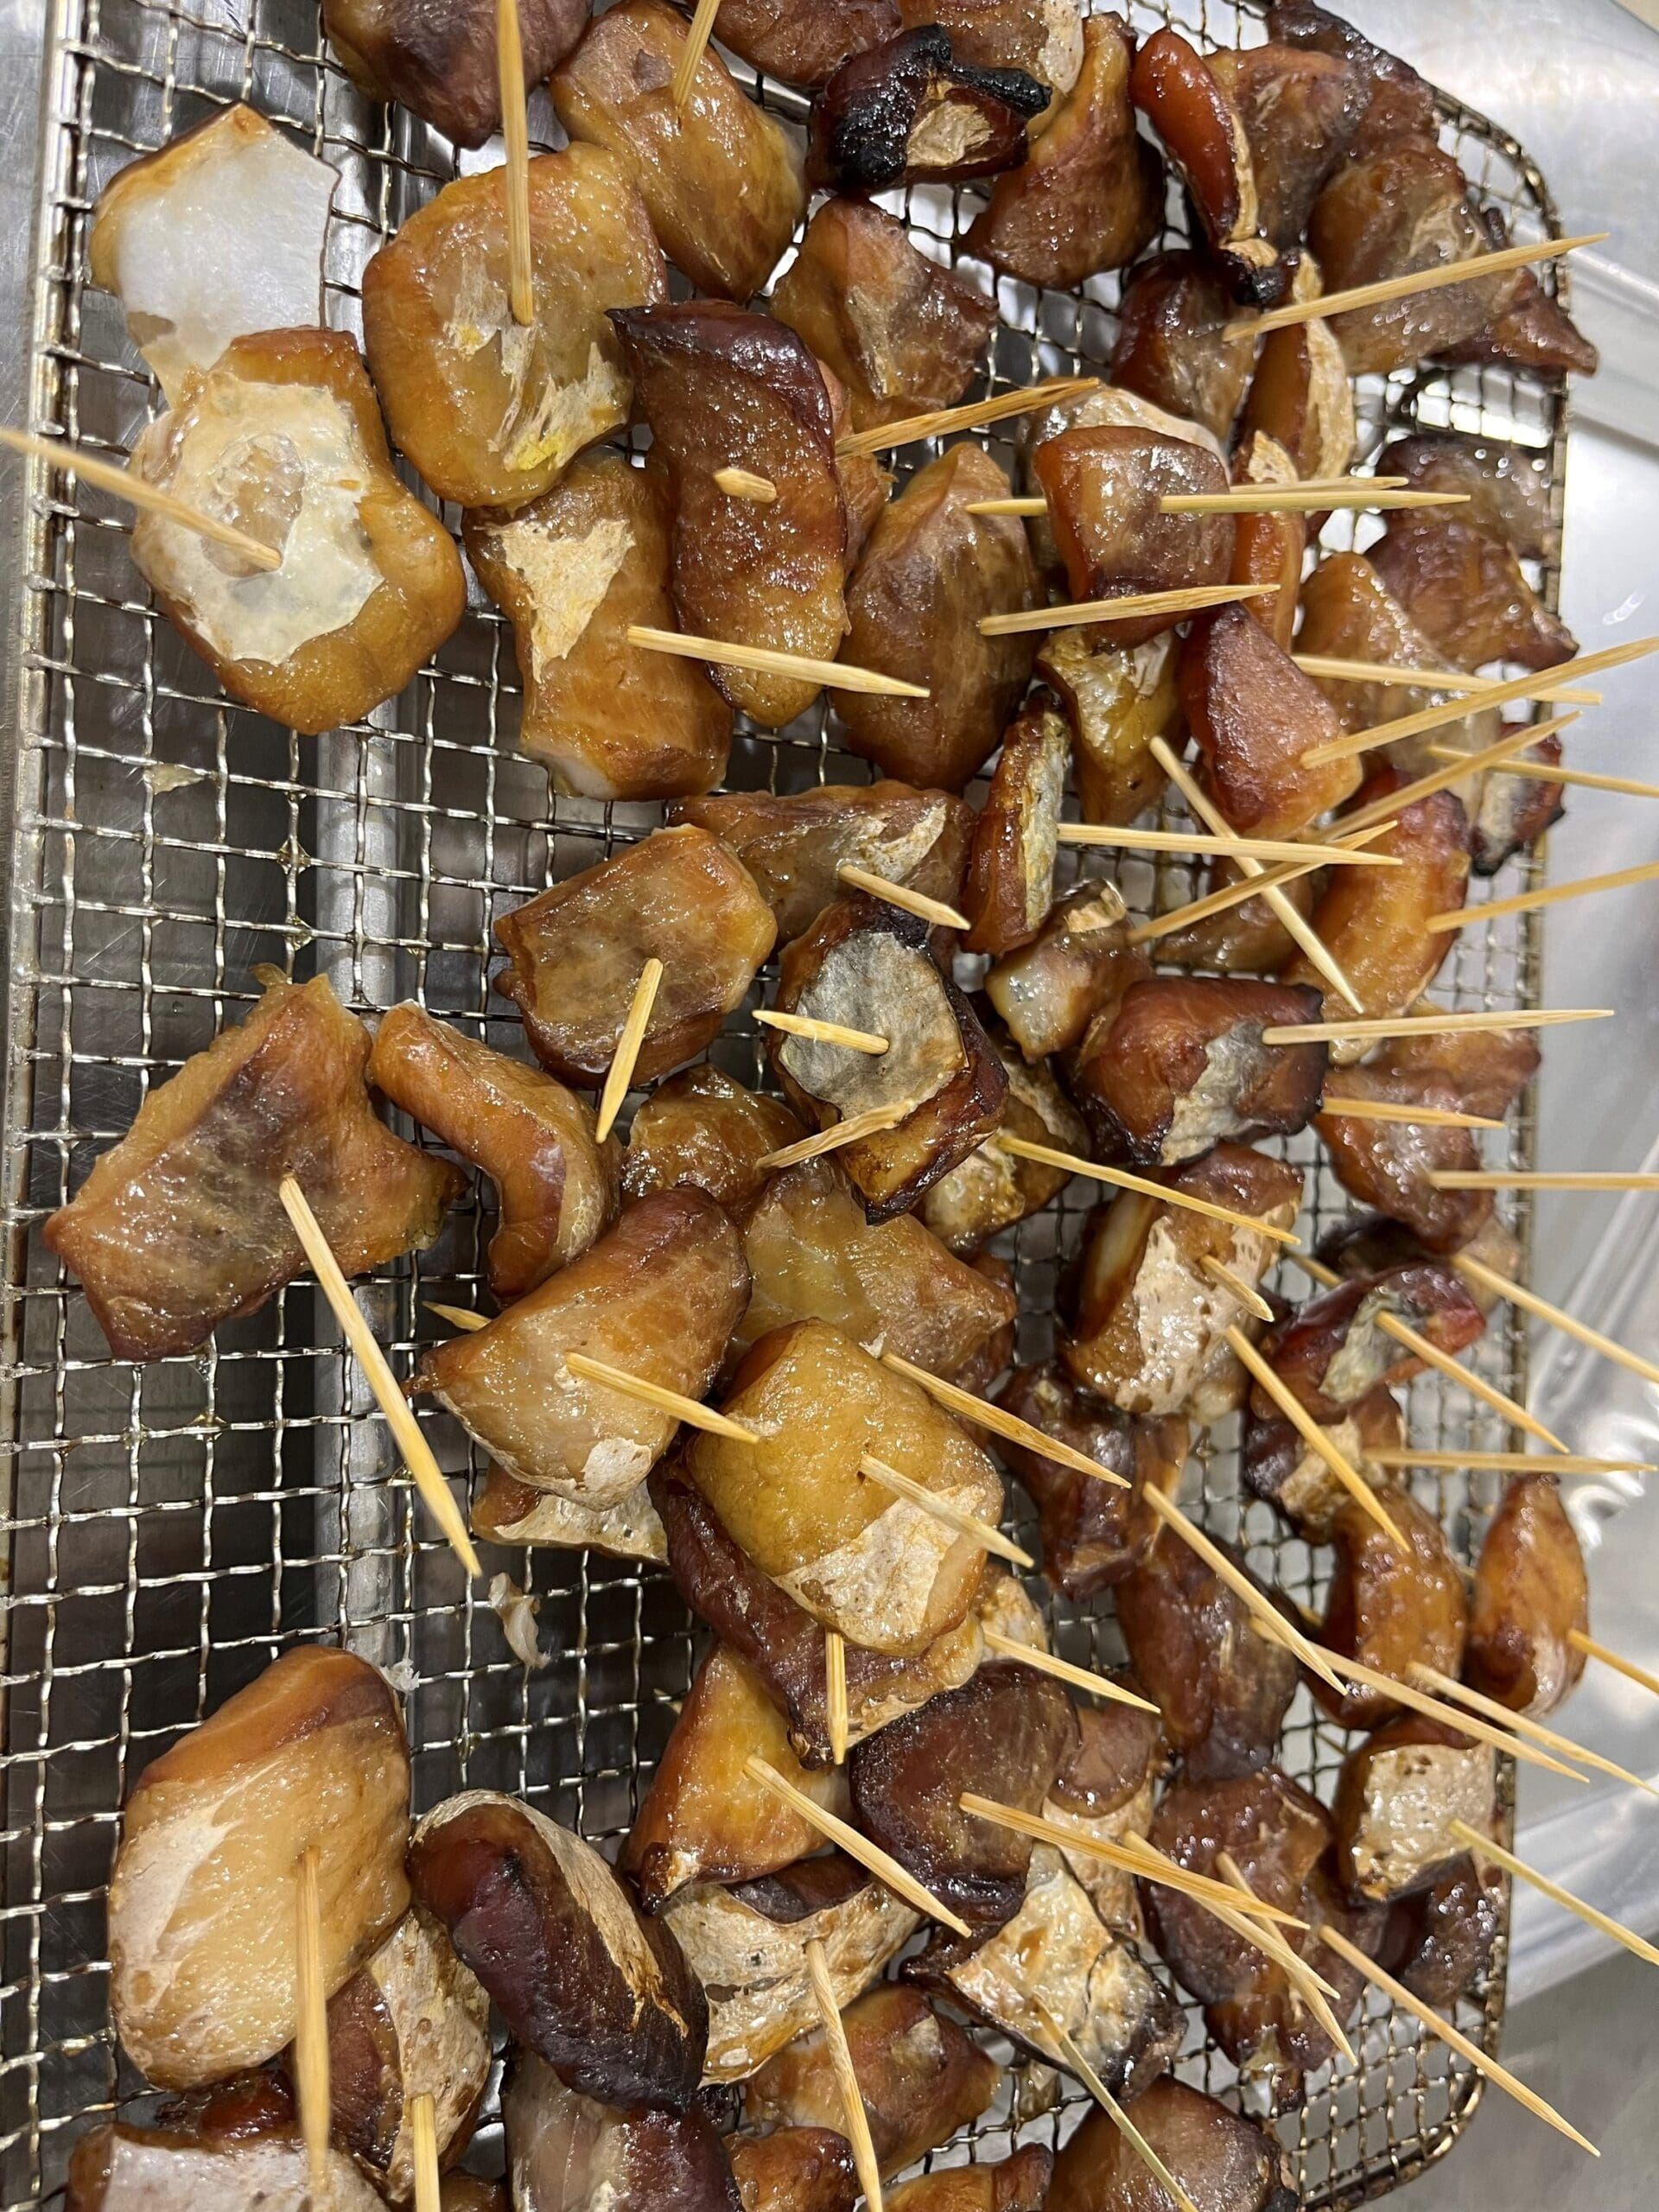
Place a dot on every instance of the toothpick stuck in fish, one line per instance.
(1308, 1986)
(1190, 600)
(1049, 1662)
(1270, 1621)
(691, 1411)
(999, 1421)
(856, 1845)
(696, 44)
(834, 1693)
(1501, 752)
(400, 1419)
(1436, 1709)
(1247, 1295)
(1066, 1834)
(424, 2146)
(1120, 1178)
(1311, 1434)
(458, 1317)
(1331, 669)
(1340, 1107)
(1226, 847)
(311, 2028)
(834, 675)
(1588, 1645)
(1528, 902)
(1476, 1385)
(943, 421)
(826, 1032)
(1065, 2044)
(1484, 1846)
(1312, 495)
(105, 476)
(1476, 266)
(619, 1078)
(872, 1122)
(841, 2060)
(901, 895)
(1524, 1725)
(966, 1524)
(1514, 1463)
(1595, 1179)
(1540, 771)
(515, 130)
(744, 484)
(1432, 1025)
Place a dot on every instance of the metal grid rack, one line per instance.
(169, 1529)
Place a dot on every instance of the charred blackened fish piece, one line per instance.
(1512, 812)
(1299, 396)
(659, 1297)
(127, 2169)
(881, 1570)
(1389, 1165)
(1508, 494)
(1009, 885)
(1464, 589)
(1006, 1735)
(179, 1227)
(601, 1994)
(703, 1819)
(795, 2168)
(1147, 1322)
(1399, 103)
(441, 63)
(1398, 1798)
(1181, 1065)
(904, 335)
(702, 1128)
(929, 572)
(1439, 1941)
(1076, 969)
(1043, 37)
(793, 846)
(570, 2153)
(1222, 1685)
(1118, 701)
(1017, 2184)
(1531, 1593)
(747, 1947)
(720, 387)
(910, 111)
(721, 177)
(921, 2076)
(1219, 2157)
(1170, 347)
(1058, 1954)
(576, 952)
(1253, 714)
(310, 1756)
(992, 1189)
(412, 2021)
(1280, 1839)
(869, 966)
(1331, 1352)
(1104, 488)
(1092, 1532)
(1089, 196)
(805, 41)
(892, 1286)
(1299, 109)
(573, 572)
(1282, 1467)
(1189, 107)
(555, 1186)
(1387, 1608)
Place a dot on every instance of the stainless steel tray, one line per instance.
(167, 1530)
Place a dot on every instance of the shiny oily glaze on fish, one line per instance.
(1104, 488)
(1192, 113)
(1076, 968)
(1118, 701)
(1170, 347)
(1389, 1165)
(702, 1128)
(1388, 1609)
(1223, 1687)
(441, 63)
(1016, 2183)
(1330, 1351)
(1530, 1592)
(565, 2150)
(1253, 713)
(1222, 2159)
(805, 43)
(1279, 1465)
(795, 2168)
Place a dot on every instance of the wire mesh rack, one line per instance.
(169, 1529)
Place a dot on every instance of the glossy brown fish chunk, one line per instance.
(556, 1187)
(929, 572)
(1253, 713)
(1279, 1839)
(1397, 1797)
(721, 387)
(1464, 589)
(571, 572)
(460, 2192)
(282, 437)
(1299, 396)
(1248, 939)
(793, 846)
(1180, 1066)
(720, 177)
(1279, 1465)
(1267, 548)
(127, 2169)
(1103, 487)
(1093, 1533)
(1512, 812)
(1389, 1609)
(1222, 1685)
(921, 2076)
(904, 335)
(1170, 346)
(911, 110)
(869, 965)
(1006, 1735)
(1349, 613)
(1531, 1592)
(1508, 494)
(1043, 37)
(1387, 1165)
(1488, 1069)
(805, 41)
(1439, 1941)
(1146, 1324)
(1533, 332)
(703, 1128)
(203, 1899)
(1078, 967)
(795, 2169)
(412, 2021)
(1331, 1352)
(491, 411)
(884, 1572)
(1009, 885)
(1116, 702)
(1219, 2157)
(1016, 2183)
(1391, 214)
(441, 63)
(179, 1227)
(703, 1819)
(576, 954)
(1375, 930)
(1189, 107)
(1090, 195)
(658, 1297)
(1399, 104)
(814, 1255)
(1299, 109)
(581, 1978)
(992, 1189)
(567, 2149)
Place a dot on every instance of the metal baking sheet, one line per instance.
(169, 1529)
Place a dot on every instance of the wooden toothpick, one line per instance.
(1065, 2045)
(1333, 669)
(1484, 1846)
(1000, 1423)
(1587, 1644)
(1247, 1295)
(1450, 1716)
(1337, 1106)
(1524, 1725)
(943, 421)
(458, 1317)
(926, 1501)
(1432, 1025)
(826, 1032)
(1415, 1342)
(1476, 1271)
(1229, 847)
(1190, 600)
(1512, 1463)
(696, 43)
(1311, 1434)
(418, 1452)
(1121, 1179)
(1501, 752)
(424, 2143)
(841, 2060)
(691, 1411)
(1528, 902)
(70, 460)
(1312, 495)
(901, 895)
(1048, 1662)
(620, 1078)
(856, 1845)
(1270, 1621)
(834, 675)
(1596, 1179)
(1540, 772)
(1401, 288)
(515, 129)
(874, 1121)
(311, 2030)
(1311, 1987)
(744, 484)
(835, 1694)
